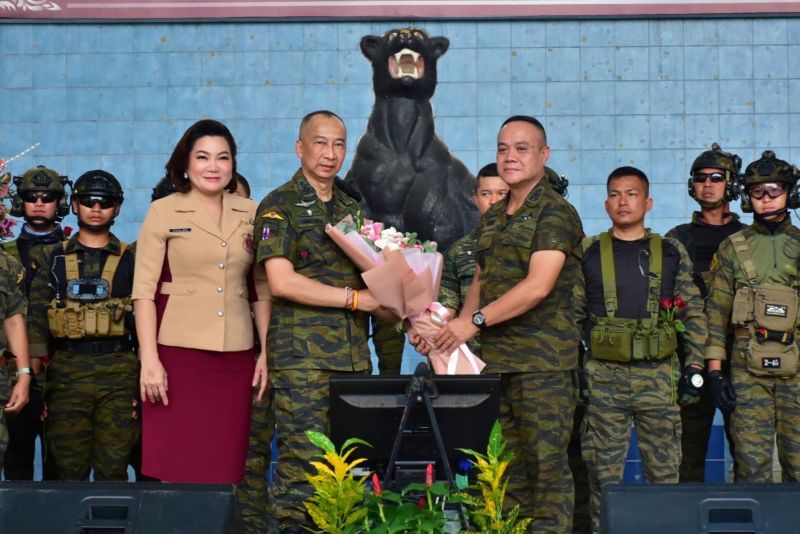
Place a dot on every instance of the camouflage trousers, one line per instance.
(620, 393)
(5, 393)
(536, 415)
(252, 491)
(767, 409)
(299, 403)
(389, 344)
(90, 422)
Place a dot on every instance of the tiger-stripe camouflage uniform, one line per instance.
(252, 490)
(457, 274)
(535, 352)
(307, 345)
(643, 388)
(92, 381)
(766, 406)
(26, 426)
(12, 302)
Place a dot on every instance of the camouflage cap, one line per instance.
(769, 169)
(40, 178)
(97, 182)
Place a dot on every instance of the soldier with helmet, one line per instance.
(753, 290)
(41, 199)
(714, 182)
(80, 306)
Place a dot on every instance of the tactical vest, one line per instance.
(89, 310)
(767, 312)
(623, 340)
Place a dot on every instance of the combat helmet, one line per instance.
(41, 178)
(730, 164)
(97, 183)
(770, 169)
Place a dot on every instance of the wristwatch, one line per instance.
(478, 319)
(697, 380)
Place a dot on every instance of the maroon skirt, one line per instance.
(201, 436)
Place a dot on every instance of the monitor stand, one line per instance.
(420, 391)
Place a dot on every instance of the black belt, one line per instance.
(94, 346)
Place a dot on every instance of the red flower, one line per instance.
(429, 475)
(422, 502)
(376, 485)
(680, 303)
(67, 231)
(666, 303)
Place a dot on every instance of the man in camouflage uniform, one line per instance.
(12, 311)
(318, 326)
(631, 366)
(459, 260)
(521, 303)
(713, 184)
(753, 288)
(80, 305)
(40, 198)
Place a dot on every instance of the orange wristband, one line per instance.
(355, 300)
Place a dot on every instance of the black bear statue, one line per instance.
(405, 174)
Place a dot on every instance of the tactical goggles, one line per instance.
(701, 177)
(45, 196)
(773, 189)
(90, 200)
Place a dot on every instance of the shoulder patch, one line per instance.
(272, 215)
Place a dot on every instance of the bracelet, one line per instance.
(23, 371)
(348, 295)
(354, 307)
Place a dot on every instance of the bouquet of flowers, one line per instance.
(669, 308)
(403, 274)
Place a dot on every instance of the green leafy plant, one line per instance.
(417, 508)
(338, 505)
(486, 503)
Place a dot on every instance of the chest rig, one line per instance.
(624, 340)
(89, 310)
(766, 313)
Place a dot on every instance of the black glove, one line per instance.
(722, 392)
(688, 392)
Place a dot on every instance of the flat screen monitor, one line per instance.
(371, 407)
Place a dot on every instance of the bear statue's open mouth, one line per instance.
(406, 63)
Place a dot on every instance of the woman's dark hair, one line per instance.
(242, 180)
(179, 161)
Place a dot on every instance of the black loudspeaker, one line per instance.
(118, 508)
(701, 508)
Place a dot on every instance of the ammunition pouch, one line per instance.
(772, 358)
(625, 340)
(76, 320)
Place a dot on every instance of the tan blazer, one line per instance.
(208, 306)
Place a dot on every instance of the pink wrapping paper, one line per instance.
(406, 282)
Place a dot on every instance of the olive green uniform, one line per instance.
(92, 380)
(535, 352)
(766, 405)
(643, 388)
(307, 344)
(12, 302)
(457, 275)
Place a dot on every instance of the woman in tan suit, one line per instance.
(194, 289)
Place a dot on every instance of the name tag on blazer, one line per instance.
(179, 230)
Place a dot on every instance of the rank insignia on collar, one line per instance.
(305, 203)
(272, 215)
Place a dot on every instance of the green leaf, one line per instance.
(354, 441)
(680, 327)
(320, 440)
(496, 444)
